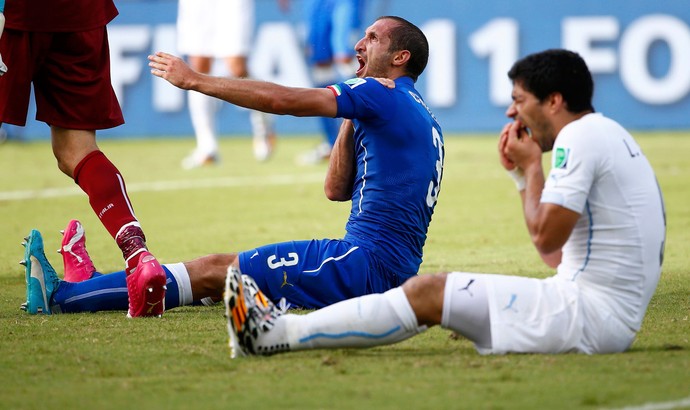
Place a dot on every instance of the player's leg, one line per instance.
(202, 111)
(46, 293)
(196, 30)
(199, 281)
(256, 326)
(366, 321)
(465, 307)
(263, 133)
(503, 314)
(109, 292)
(75, 105)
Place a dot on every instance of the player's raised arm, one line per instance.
(256, 95)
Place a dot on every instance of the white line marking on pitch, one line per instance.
(170, 186)
(667, 405)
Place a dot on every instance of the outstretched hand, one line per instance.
(173, 69)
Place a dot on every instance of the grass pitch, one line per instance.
(182, 361)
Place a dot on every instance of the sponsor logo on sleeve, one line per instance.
(561, 158)
(354, 82)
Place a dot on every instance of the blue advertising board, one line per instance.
(637, 50)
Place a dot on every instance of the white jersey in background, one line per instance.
(615, 251)
(215, 28)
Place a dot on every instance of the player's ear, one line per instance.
(401, 57)
(556, 102)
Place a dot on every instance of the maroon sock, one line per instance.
(105, 187)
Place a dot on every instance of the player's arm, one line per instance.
(341, 167)
(549, 225)
(256, 95)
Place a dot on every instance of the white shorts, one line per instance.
(215, 28)
(529, 315)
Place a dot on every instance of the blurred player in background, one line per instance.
(599, 219)
(387, 160)
(61, 47)
(210, 29)
(332, 27)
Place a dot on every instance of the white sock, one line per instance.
(365, 321)
(184, 284)
(202, 110)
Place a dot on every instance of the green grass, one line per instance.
(181, 361)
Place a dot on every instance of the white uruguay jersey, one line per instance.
(215, 28)
(616, 248)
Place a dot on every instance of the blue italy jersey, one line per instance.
(399, 152)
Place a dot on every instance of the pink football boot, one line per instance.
(77, 263)
(146, 288)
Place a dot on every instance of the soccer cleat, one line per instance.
(146, 288)
(263, 146)
(318, 155)
(76, 261)
(198, 160)
(249, 314)
(41, 279)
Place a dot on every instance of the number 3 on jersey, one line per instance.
(435, 186)
(292, 260)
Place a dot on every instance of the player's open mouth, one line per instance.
(361, 62)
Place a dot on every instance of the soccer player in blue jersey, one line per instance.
(387, 160)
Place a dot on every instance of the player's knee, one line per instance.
(425, 294)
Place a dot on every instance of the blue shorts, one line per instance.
(332, 31)
(316, 273)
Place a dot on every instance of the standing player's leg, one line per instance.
(75, 102)
(263, 134)
(233, 23)
(105, 187)
(202, 110)
(196, 33)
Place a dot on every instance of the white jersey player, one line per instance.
(218, 29)
(598, 218)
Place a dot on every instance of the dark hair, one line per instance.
(556, 71)
(407, 36)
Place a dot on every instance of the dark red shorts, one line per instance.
(71, 77)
